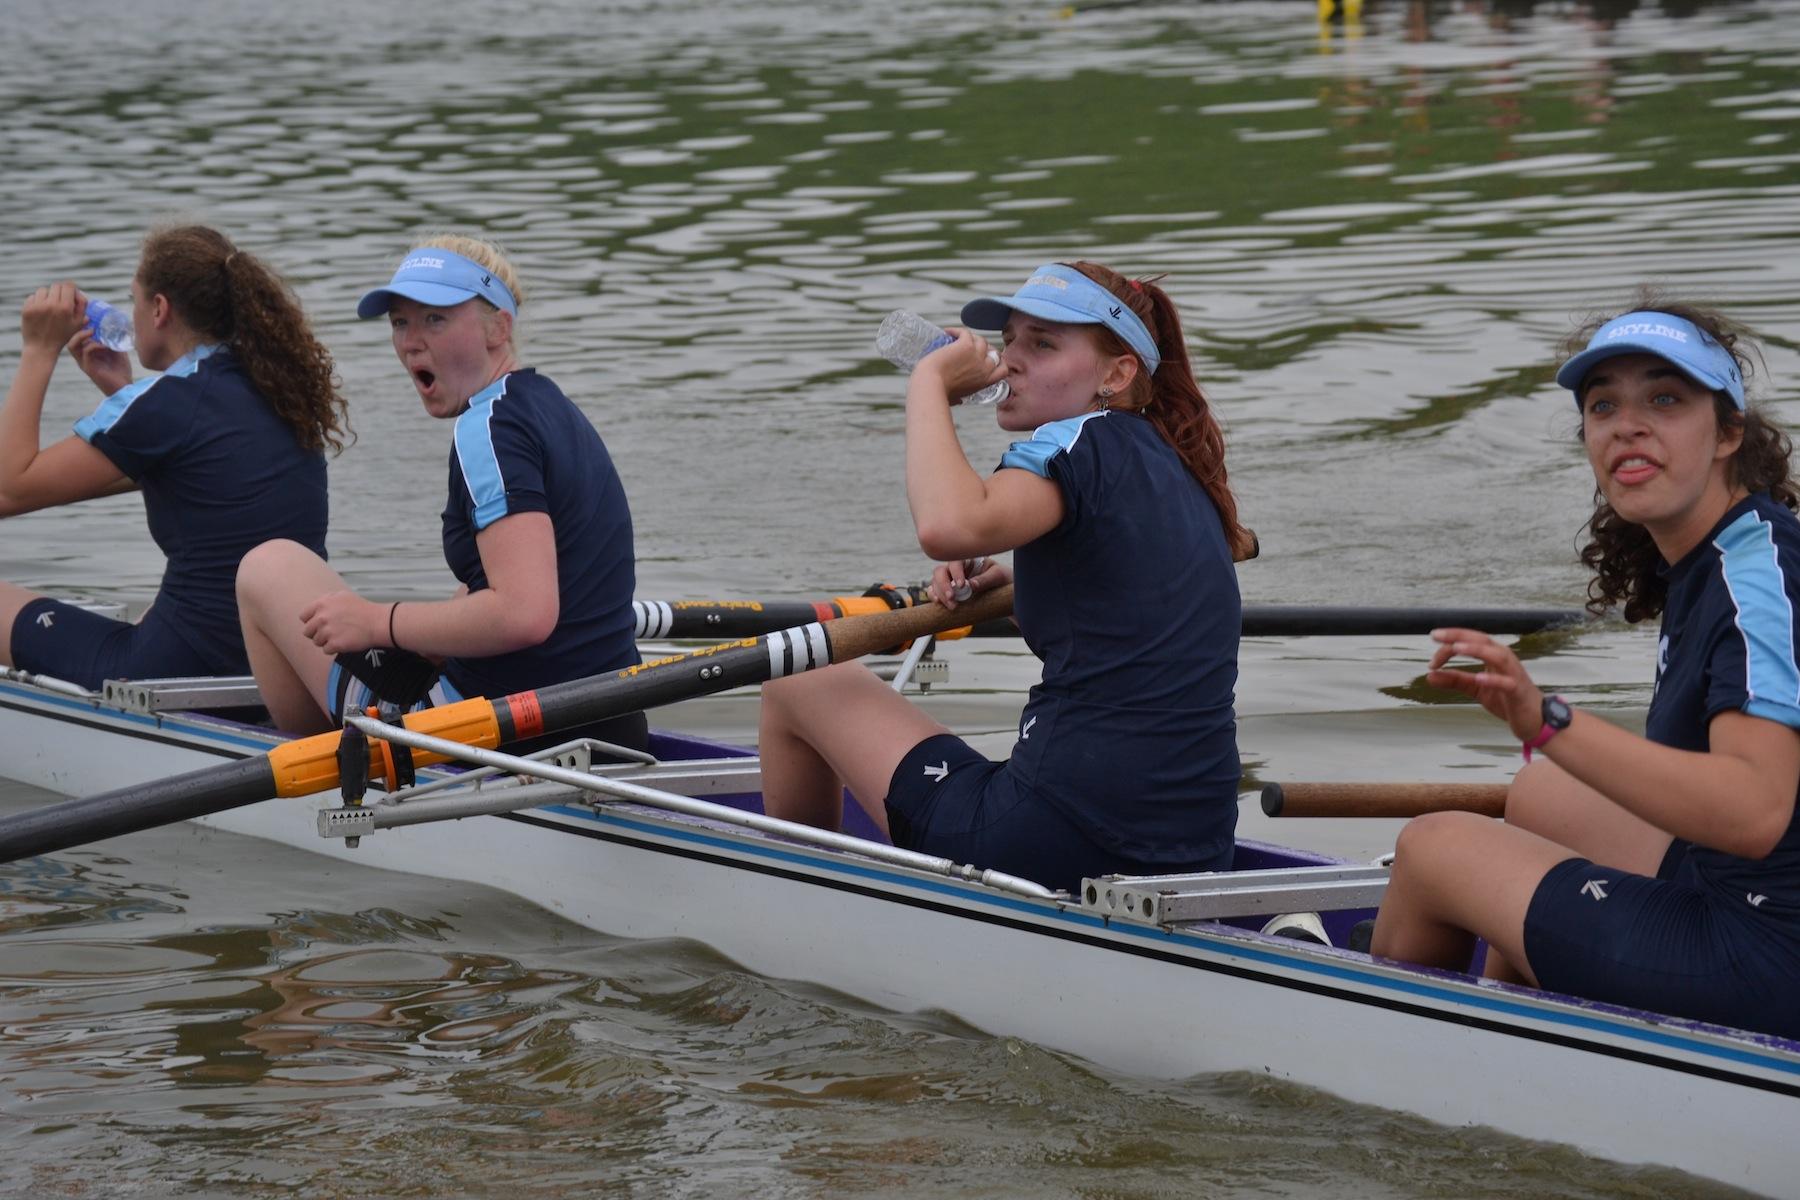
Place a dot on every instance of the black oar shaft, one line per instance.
(658, 682)
(750, 661)
(752, 618)
(1346, 620)
(129, 810)
(725, 618)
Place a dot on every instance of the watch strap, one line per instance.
(1545, 733)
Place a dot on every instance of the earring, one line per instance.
(1106, 393)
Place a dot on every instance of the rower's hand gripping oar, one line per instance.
(307, 765)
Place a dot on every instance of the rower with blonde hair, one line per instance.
(536, 529)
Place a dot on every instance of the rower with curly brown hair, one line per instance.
(226, 443)
(1662, 871)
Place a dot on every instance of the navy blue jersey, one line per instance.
(220, 474)
(523, 446)
(1132, 604)
(1729, 644)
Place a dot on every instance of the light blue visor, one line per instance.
(437, 277)
(1687, 347)
(1059, 293)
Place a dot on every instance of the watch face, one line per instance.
(1557, 713)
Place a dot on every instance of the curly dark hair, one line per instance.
(229, 295)
(1623, 557)
(1171, 399)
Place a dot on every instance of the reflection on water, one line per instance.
(1376, 231)
(1376, 227)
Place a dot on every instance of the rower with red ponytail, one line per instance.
(1171, 398)
(1122, 531)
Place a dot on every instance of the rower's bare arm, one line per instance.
(958, 512)
(1013, 507)
(518, 608)
(67, 472)
(1738, 797)
(30, 476)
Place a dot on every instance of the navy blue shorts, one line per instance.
(946, 799)
(1666, 944)
(52, 638)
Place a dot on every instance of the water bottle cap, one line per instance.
(111, 327)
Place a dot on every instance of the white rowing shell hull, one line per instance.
(1160, 1003)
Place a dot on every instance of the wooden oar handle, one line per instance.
(853, 637)
(1382, 799)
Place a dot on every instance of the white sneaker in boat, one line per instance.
(1302, 927)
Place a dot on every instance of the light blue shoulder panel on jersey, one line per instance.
(475, 451)
(1765, 618)
(1046, 442)
(114, 406)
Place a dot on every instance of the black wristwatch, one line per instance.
(1557, 715)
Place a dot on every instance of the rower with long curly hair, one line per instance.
(1662, 871)
(226, 444)
(1116, 504)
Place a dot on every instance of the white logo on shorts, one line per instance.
(46, 619)
(1025, 730)
(938, 772)
(374, 657)
(1755, 900)
(1595, 888)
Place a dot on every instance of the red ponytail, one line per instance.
(1171, 399)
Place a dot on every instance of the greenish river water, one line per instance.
(1377, 229)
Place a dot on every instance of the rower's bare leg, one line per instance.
(274, 582)
(830, 729)
(1459, 876)
(12, 599)
(1546, 800)
(1551, 803)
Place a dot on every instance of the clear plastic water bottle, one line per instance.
(111, 326)
(906, 337)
